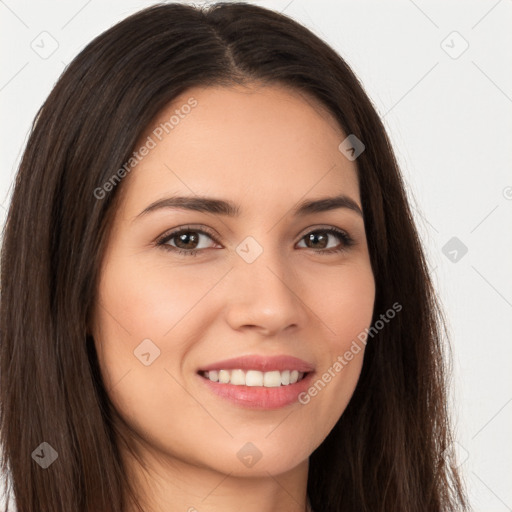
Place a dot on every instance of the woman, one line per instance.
(214, 296)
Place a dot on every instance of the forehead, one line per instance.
(257, 144)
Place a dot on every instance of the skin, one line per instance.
(266, 148)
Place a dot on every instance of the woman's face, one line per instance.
(266, 282)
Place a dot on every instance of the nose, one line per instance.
(265, 295)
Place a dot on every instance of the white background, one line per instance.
(451, 125)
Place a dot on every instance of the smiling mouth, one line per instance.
(254, 378)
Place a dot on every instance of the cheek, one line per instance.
(148, 313)
(344, 303)
(150, 300)
(342, 299)
(138, 314)
(154, 301)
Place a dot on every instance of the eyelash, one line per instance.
(347, 240)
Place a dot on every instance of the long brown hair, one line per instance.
(391, 449)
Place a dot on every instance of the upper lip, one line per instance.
(261, 363)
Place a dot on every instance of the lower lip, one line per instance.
(259, 397)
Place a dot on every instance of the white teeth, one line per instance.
(253, 378)
(237, 377)
(224, 376)
(271, 379)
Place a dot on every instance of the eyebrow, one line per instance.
(230, 209)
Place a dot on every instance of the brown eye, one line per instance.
(185, 241)
(318, 240)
